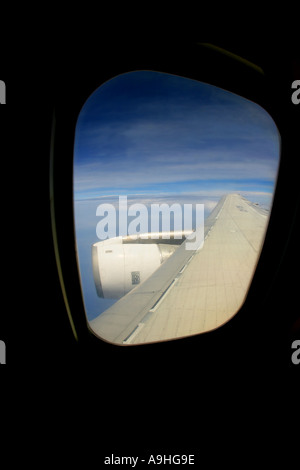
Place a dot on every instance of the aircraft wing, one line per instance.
(194, 290)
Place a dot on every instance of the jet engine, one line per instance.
(119, 266)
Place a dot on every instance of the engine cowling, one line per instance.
(119, 267)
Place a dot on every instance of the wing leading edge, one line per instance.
(193, 291)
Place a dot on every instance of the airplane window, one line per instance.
(173, 188)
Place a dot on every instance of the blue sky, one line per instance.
(161, 138)
(153, 133)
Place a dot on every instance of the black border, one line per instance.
(226, 399)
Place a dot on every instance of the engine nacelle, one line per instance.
(119, 267)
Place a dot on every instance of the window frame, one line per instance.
(202, 62)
